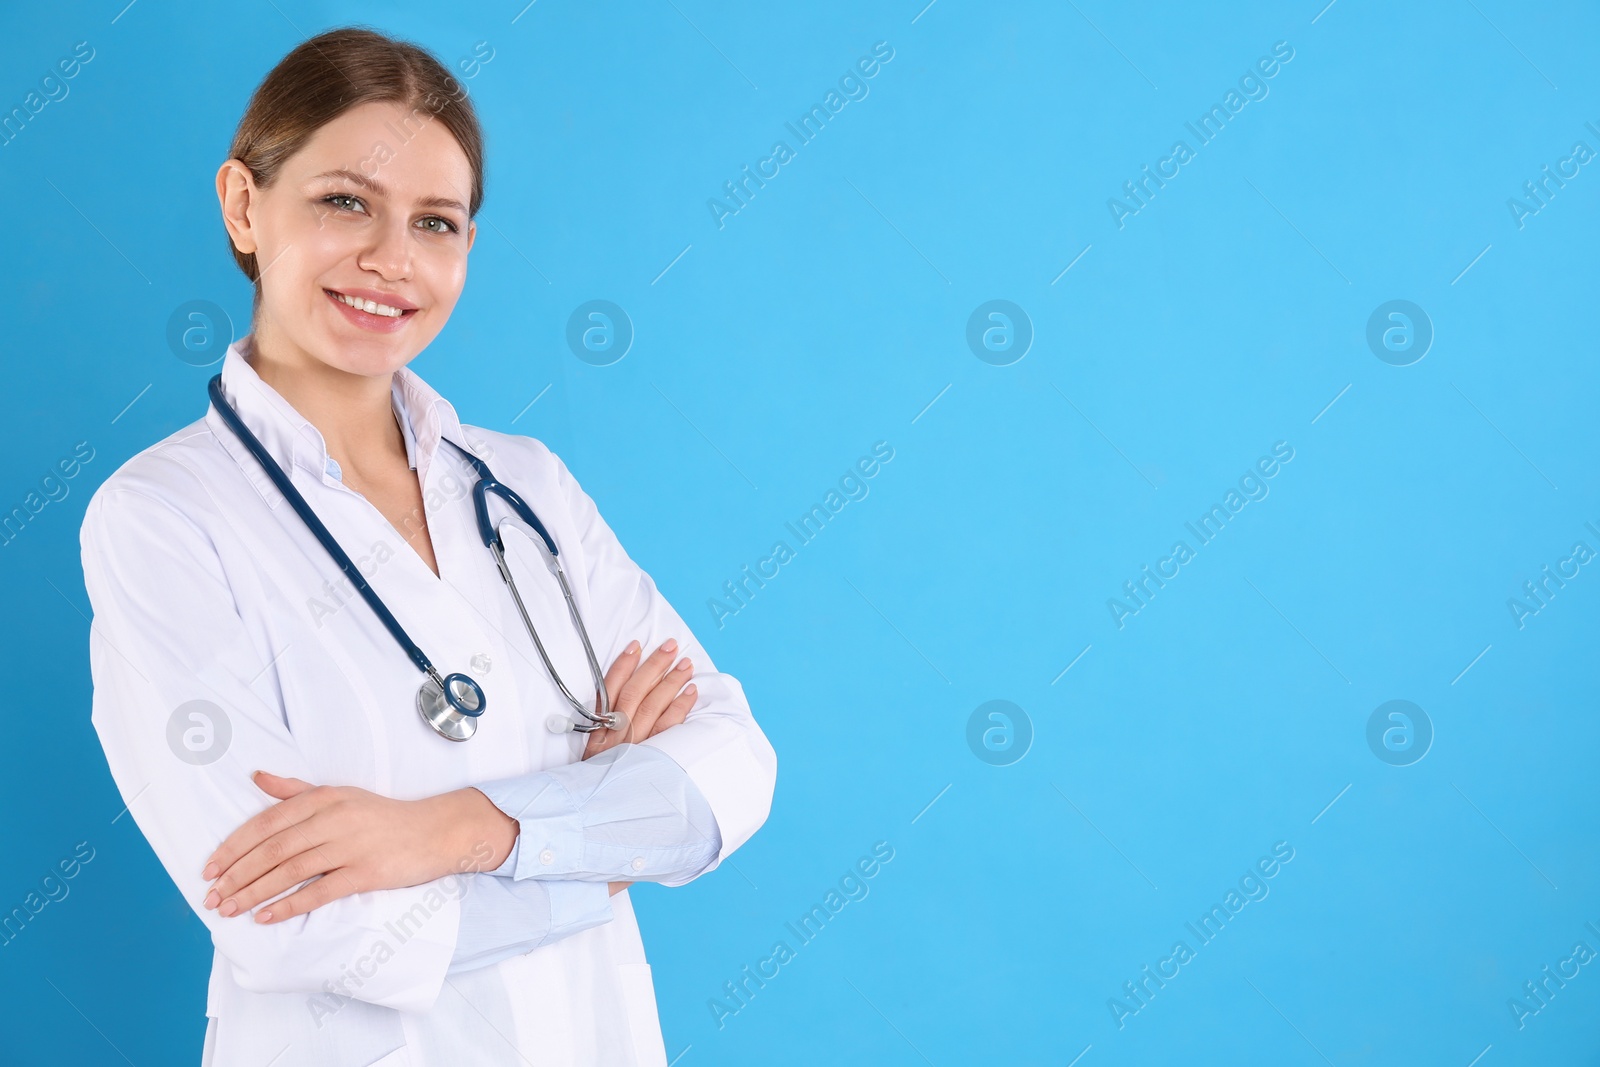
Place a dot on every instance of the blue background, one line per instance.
(830, 313)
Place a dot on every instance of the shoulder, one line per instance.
(517, 457)
(535, 471)
(173, 475)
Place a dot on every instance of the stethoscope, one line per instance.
(451, 703)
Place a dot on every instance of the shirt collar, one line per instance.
(406, 432)
(292, 441)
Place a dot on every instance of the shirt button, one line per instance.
(638, 863)
(547, 857)
(481, 663)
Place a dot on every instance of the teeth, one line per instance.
(371, 307)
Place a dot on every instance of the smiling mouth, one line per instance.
(371, 307)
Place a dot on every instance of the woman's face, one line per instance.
(373, 207)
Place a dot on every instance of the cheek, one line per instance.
(322, 244)
(443, 273)
(301, 250)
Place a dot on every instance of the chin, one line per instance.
(358, 355)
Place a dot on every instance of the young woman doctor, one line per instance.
(376, 892)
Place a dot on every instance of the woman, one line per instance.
(381, 893)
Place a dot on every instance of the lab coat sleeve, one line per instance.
(166, 633)
(719, 745)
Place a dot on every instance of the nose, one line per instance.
(389, 254)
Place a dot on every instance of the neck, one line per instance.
(353, 412)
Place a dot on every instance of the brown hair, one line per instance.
(327, 75)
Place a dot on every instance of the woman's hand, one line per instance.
(647, 693)
(350, 840)
(356, 841)
(650, 709)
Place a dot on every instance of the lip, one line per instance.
(365, 319)
(378, 296)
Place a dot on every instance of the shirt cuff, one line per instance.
(501, 918)
(576, 906)
(508, 868)
(551, 836)
(630, 813)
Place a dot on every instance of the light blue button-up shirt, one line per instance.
(580, 827)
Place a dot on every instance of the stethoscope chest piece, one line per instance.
(451, 705)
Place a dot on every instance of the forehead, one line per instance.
(408, 150)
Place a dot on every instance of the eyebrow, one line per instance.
(378, 189)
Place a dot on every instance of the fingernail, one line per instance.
(671, 643)
(683, 665)
(210, 872)
(212, 898)
(229, 907)
(633, 646)
(691, 690)
(263, 916)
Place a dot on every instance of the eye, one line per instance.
(448, 226)
(338, 200)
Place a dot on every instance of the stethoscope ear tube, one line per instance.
(607, 718)
(480, 503)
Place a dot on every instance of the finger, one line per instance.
(677, 711)
(621, 671)
(656, 701)
(261, 826)
(648, 674)
(602, 739)
(278, 787)
(596, 742)
(244, 892)
(313, 835)
(330, 887)
(623, 692)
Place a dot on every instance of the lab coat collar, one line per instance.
(293, 441)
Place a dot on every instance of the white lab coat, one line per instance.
(207, 587)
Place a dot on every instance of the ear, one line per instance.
(236, 192)
(472, 234)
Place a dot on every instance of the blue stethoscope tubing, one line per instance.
(449, 703)
(490, 533)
